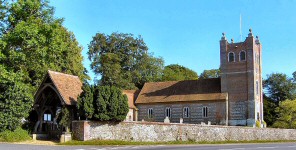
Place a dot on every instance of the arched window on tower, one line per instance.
(242, 56)
(230, 57)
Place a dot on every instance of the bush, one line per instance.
(265, 125)
(104, 103)
(14, 136)
(258, 124)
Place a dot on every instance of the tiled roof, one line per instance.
(131, 95)
(177, 91)
(69, 86)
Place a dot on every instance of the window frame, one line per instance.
(150, 113)
(243, 51)
(229, 56)
(186, 112)
(168, 112)
(47, 117)
(205, 111)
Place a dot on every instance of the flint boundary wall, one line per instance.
(156, 132)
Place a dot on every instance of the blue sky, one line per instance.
(187, 32)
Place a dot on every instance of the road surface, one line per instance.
(265, 146)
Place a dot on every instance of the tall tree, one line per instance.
(123, 60)
(213, 73)
(177, 72)
(15, 99)
(32, 41)
(35, 41)
(286, 114)
(279, 87)
(269, 108)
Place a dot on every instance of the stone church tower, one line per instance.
(241, 78)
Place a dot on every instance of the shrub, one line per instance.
(104, 103)
(258, 124)
(85, 102)
(110, 104)
(264, 123)
(65, 120)
(14, 136)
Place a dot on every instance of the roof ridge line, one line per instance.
(184, 80)
(62, 73)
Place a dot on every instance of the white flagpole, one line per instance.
(240, 27)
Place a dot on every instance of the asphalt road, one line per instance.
(269, 146)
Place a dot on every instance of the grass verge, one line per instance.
(17, 135)
(118, 142)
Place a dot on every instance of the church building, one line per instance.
(233, 99)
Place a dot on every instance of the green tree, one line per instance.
(213, 73)
(85, 102)
(65, 120)
(110, 104)
(32, 41)
(177, 72)
(269, 108)
(15, 99)
(123, 61)
(279, 87)
(35, 41)
(286, 114)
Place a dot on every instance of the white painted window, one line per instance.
(186, 112)
(242, 56)
(47, 117)
(168, 112)
(150, 113)
(205, 112)
(231, 57)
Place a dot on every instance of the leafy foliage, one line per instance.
(213, 73)
(17, 135)
(65, 120)
(110, 104)
(85, 101)
(103, 103)
(15, 99)
(177, 72)
(286, 114)
(269, 108)
(280, 87)
(123, 60)
(34, 41)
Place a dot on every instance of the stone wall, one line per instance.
(148, 131)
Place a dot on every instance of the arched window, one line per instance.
(186, 112)
(242, 56)
(168, 112)
(205, 112)
(230, 57)
(150, 113)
